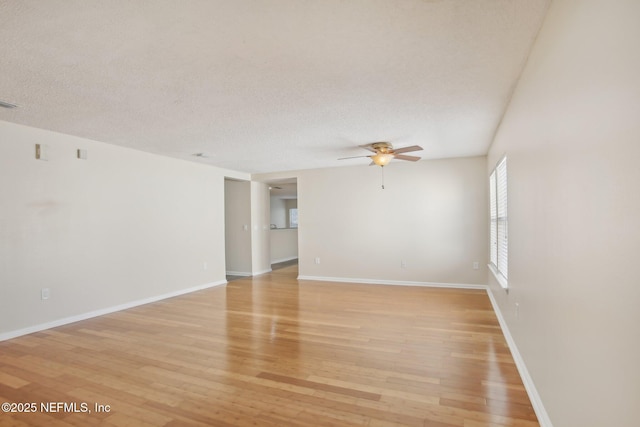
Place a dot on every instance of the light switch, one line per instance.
(42, 152)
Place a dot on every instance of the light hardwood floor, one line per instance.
(272, 351)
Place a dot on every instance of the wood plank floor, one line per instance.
(272, 351)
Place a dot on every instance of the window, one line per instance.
(293, 218)
(499, 239)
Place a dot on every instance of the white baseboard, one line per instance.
(238, 273)
(275, 261)
(64, 321)
(392, 282)
(536, 401)
(245, 274)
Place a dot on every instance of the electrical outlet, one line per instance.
(45, 293)
(517, 310)
(204, 265)
(317, 260)
(476, 265)
(403, 264)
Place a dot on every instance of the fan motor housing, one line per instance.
(383, 147)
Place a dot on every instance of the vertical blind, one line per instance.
(499, 219)
(494, 219)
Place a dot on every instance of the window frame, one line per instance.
(499, 223)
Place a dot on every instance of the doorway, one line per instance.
(283, 208)
(237, 224)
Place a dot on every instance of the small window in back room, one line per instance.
(499, 230)
(293, 217)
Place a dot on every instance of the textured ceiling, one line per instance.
(266, 85)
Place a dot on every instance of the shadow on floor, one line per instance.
(284, 264)
(274, 267)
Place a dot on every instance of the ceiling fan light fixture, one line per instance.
(382, 159)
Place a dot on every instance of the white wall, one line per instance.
(121, 226)
(284, 245)
(278, 212)
(237, 202)
(432, 214)
(572, 137)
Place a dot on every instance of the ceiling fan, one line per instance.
(384, 153)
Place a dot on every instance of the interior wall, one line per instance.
(237, 202)
(278, 212)
(432, 215)
(571, 135)
(284, 245)
(121, 226)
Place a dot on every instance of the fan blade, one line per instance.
(410, 158)
(368, 147)
(354, 157)
(407, 149)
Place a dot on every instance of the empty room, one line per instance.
(320, 213)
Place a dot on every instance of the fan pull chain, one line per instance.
(382, 167)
